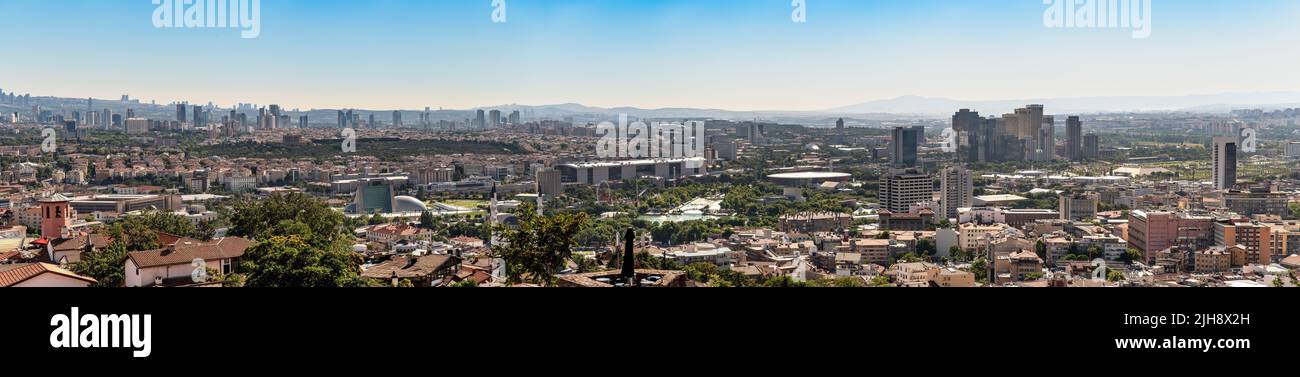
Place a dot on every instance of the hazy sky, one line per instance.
(730, 54)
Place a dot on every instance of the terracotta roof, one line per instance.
(11, 275)
(408, 267)
(182, 253)
(78, 242)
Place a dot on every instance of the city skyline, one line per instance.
(734, 55)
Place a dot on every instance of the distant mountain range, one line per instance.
(928, 107)
(1083, 105)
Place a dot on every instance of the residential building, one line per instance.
(901, 188)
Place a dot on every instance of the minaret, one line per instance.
(492, 217)
(540, 203)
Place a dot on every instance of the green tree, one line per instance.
(537, 249)
(165, 222)
(880, 281)
(257, 219)
(427, 221)
(700, 271)
(292, 262)
(912, 258)
(467, 283)
(783, 282)
(106, 266)
(980, 267)
(926, 247)
(958, 254)
(1114, 276)
(843, 282)
(584, 264)
(134, 236)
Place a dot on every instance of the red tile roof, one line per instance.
(182, 253)
(11, 275)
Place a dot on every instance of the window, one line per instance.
(225, 266)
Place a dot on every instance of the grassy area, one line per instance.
(470, 204)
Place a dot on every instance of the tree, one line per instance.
(467, 283)
(106, 266)
(958, 254)
(843, 282)
(911, 258)
(536, 250)
(165, 222)
(926, 247)
(700, 271)
(427, 221)
(256, 219)
(292, 262)
(134, 236)
(1114, 276)
(783, 282)
(585, 264)
(980, 267)
(880, 281)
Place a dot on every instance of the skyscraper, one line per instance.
(180, 112)
(1074, 139)
(839, 124)
(965, 120)
(397, 119)
(480, 119)
(904, 143)
(494, 118)
(1091, 146)
(958, 188)
(1225, 162)
(1046, 139)
(901, 188)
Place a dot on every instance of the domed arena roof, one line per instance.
(408, 204)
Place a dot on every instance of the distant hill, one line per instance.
(1197, 103)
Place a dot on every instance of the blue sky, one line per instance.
(732, 54)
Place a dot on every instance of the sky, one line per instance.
(727, 54)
